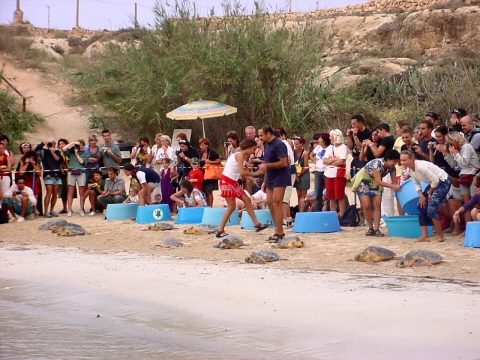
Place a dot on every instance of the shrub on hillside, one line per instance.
(13, 121)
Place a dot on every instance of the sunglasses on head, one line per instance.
(182, 142)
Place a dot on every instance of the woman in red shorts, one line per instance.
(231, 189)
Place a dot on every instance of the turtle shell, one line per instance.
(171, 242)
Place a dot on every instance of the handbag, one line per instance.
(298, 167)
(76, 171)
(466, 179)
(331, 172)
(213, 171)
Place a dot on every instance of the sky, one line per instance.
(117, 14)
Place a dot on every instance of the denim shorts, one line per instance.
(52, 180)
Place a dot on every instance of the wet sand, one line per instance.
(223, 309)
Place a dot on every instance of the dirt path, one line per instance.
(46, 97)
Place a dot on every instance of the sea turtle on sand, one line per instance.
(230, 242)
(262, 256)
(170, 242)
(161, 226)
(373, 254)
(69, 229)
(419, 258)
(290, 243)
(201, 229)
(53, 224)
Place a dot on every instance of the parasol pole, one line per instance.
(203, 126)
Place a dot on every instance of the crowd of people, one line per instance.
(260, 172)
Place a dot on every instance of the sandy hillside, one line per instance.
(46, 96)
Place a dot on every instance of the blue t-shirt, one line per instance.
(274, 151)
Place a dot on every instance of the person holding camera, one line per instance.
(29, 168)
(355, 138)
(231, 145)
(94, 189)
(76, 173)
(111, 154)
(20, 199)
(140, 152)
(184, 157)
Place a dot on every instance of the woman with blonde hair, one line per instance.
(336, 172)
(459, 153)
(152, 157)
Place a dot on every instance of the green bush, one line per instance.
(264, 71)
(13, 121)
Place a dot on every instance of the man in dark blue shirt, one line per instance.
(148, 179)
(277, 177)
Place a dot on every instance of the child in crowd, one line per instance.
(196, 175)
(168, 176)
(133, 195)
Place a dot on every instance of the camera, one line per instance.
(350, 132)
(312, 143)
(227, 143)
(18, 192)
(431, 144)
(76, 147)
(49, 145)
(141, 146)
(178, 152)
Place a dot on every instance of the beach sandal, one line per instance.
(275, 238)
(370, 232)
(378, 233)
(261, 227)
(221, 234)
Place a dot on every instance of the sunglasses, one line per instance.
(20, 182)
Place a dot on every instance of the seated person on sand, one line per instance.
(148, 179)
(258, 201)
(133, 195)
(188, 196)
(453, 202)
(93, 190)
(472, 205)
(20, 200)
(114, 192)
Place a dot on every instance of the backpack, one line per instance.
(350, 217)
(3, 214)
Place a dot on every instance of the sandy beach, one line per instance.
(136, 306)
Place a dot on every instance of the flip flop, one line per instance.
(261, 227)
(221, 234)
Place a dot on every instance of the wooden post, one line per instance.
(78, 14)
(136, 15)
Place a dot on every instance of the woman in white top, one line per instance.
(317, 155)
(459, 153)
(231, 190)
(336, 172)
(152, 158)
(165, 151)
(432, 197)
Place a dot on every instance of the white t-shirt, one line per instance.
(260, 195)
(319, 156)
(161, 154)
(231, 168)
(340, 152)
(291, 156)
